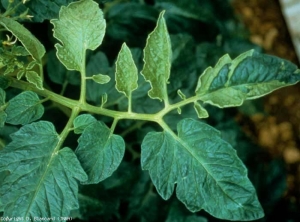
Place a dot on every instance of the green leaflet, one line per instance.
(29, 41)
(35, 79)
(100, 78)
(126, 72)
(80, 26)
(39, 176)
(24, 108)
(157, 57)
(208, 173)
(99, 151)
(249, 76)
(201, 112)
(82, 121)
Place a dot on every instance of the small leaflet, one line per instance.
(24, 108)
(206, 170)
(80, 26)
(35, 79)
(157, 60)
(30, 42)
(99, 151)
(249, 76)
(101, 79)
(126, 72)
(201, 112)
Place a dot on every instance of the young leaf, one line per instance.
(35, 79)
(208, 173)
(101, 79)
(99, 151)
(41, 181)
(30, 42)
(157, 57)
(80, 26)
(126, 72)
(24, 108)
(201, 112)
(249, 76)
(82, 121)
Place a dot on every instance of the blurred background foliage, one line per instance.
(201, 32)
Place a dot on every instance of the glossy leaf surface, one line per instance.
(80, 26)
(206, 169)
(251, 75)
(157, 58)
(24, 108)
(41, 180)
(99, 151)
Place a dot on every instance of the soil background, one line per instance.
(277, 130)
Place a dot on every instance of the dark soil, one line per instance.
(278, 131)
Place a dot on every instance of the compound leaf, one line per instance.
(35, 79)
(99, 151)
(80, 26)
(83, 121)
(29, 41)
(24, 108)
(249, 76)
(157, 59)
(208, 173)
(41, 180)
(126, 72)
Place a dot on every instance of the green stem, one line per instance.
(83, 106)
(63, 135)
(83, 81)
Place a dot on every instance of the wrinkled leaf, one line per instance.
(80, 26)
(35, 79)
(157, 58)
(101, 79)
(206, 169)
(126, 72)
(29, 41)
(39, 175)
(251, 75)
(99, 151)
(83, 121)
(24, 108)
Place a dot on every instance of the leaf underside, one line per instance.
(206, 169)
(157, 57)
(126, 72)
(251, 75)
(80, 26)
(37, 180)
